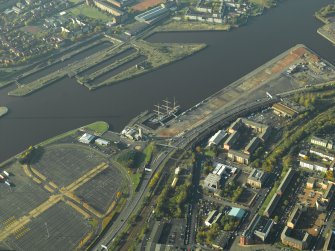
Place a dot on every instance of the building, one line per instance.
(329, 242)
(102, 142)
(283, 110)
(316, 166)
(257, 231)
(252, 145)
(322, 153)
(212, 182)
(285, 182)
(295, 238)
(221, 240)
(263, 229)
(237, 212)
(310, 183)
(120, 3)
(269, 210)
(153, 14)
(231, 140)
(328, 196)
(86, 138)
(322, 142)
(119, 15)
(239, 157)
(217, 138)
(212, 218)
(256, 178)
(294, 216)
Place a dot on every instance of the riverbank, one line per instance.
(328, 32)
(144, 57)
(3, 111)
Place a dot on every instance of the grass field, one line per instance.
(98, 127)
(90, 12)
(264, 3)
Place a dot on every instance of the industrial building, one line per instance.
(256, 178)
(153, 14)
(86, 138)
(217, 138)
(212, 182)
(283, 110)
(257, 231)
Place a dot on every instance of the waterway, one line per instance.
(66, 105)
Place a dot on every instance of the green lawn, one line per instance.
(98, 127)
(90, 12)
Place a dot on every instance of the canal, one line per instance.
(230, 55)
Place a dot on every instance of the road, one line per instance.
(213, 122)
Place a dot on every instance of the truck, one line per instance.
(8, 183)
(6, 173)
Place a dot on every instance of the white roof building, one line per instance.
(217, 138)
(102, 142)
(86, 138)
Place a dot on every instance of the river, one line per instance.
(230, 55)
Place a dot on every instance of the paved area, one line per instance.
(59, 228)
(106, 185)
(65, 163)
(42, 208)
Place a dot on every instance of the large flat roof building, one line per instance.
(295, 216)
(152, 14)
(295, 238)
(86, 138)
(258, 229)
(239, 157)
(256, 178)
(212, 182)
(284, 110)
(217, 138)
(237, 212)
(286, 181)
(269, 210)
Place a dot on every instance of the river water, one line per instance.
(230, 55)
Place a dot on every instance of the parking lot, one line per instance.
(64, 163)
(106, 184)
(59, 228)
(19, 199)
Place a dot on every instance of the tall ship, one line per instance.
(165, 111)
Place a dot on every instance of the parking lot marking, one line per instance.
(41, 176)
(13, 225)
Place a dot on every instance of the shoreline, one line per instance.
(3, 111)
